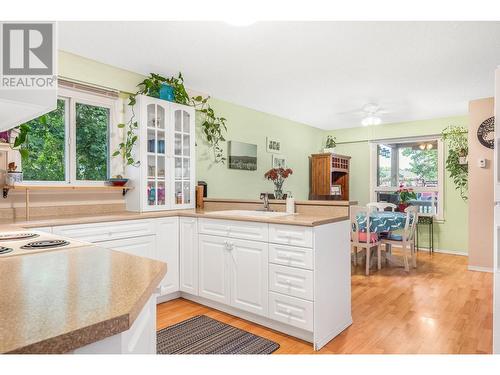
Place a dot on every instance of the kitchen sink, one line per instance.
(249, 213)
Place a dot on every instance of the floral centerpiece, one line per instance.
(405, 195)
(278, 176)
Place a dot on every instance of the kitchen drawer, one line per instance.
(291, 256)
(291, 235)
(291, 281)
(97, 232)
(245, 230)
(290, 310)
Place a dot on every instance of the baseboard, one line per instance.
(167, 297)
(319, 343)
(480, 269)
(444, 251)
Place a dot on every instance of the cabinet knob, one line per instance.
(288, 311)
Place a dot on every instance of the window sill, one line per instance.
(30, 187)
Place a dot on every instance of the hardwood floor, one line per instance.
(441, 307)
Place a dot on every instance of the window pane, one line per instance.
(386, 175)
(91, 142)
(418, 164)
(46, 145)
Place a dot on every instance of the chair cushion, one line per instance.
(395, 237)
(362, 237)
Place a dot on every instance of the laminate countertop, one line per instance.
(292, 219)
(57, 301)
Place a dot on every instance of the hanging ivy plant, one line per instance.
(213, 127)
(458, 149)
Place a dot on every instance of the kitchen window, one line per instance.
(71, 144)
(415, 163)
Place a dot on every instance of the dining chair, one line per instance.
(381, 206)
(363, 240)
(406, 240)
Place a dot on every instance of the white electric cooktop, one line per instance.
(24, 242)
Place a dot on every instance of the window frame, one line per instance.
(374, 189)
(71, 97)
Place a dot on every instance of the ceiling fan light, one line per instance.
(371, 120)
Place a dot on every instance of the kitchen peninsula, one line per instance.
(290, 272)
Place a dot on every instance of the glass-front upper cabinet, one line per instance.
(183, 154)
(156, 128)
(165, 176)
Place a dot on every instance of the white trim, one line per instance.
(444, 251)
(71, 98)
(441, 176)
(480, 269)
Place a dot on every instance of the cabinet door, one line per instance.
(188, 252)
(157, 169)
(213, 270)
(182, 156)
(144, 246)
(167, 250)
(249, 275)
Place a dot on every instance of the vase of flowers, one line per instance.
(278, 177)
(405, 195)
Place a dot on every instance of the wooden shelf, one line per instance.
(23, 187)
(27, 188)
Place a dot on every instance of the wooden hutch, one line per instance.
(328, 174)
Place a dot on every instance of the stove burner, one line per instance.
(45, 244)
(5, 250)
(17, 236)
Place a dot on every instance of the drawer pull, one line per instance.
(287, 281)
(288, 312)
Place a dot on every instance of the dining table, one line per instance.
(383, 222)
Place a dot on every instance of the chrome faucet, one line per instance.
(265, 199)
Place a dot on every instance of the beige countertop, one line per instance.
(57, 301)
(293, 219)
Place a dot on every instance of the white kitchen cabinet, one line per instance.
(140, 246)
(249, 277)
(96, 232)
(188, 254)
(213, 269)
(165, 149)
(167, 250)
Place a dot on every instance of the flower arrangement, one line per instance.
(405, 195)
(278, 176)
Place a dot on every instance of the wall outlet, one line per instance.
(481, 163)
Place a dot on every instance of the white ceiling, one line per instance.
(311, 72)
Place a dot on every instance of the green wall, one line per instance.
(298, 141)
(451, 233)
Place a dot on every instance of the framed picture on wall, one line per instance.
(242, 156)
(273, 145)
(278, 161)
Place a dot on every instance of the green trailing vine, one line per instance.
(213, 127)
(458, 149)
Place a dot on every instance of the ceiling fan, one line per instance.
(371, 114)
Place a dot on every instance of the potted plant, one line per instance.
(125, 149)
(456, 161)
(405, 196)
(213, 127)
(278, 177)
(331, 143)
(13, 175)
